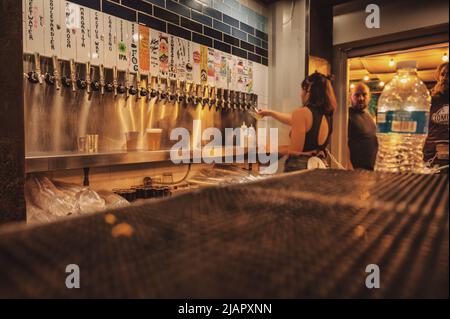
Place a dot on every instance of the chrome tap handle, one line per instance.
(102, 80)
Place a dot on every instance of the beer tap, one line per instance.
(86, 83)
(219, 98)
(181, 96)
(226, 99)
(102, 81)
(248, 101)
(153, 82)
(198, 94)
(55, 78)
(241, 101)
(71, 81)
(190, 93)
(133, 89)
(36, 75)
(95, 85)
(212, 97)
(184, 93)
(172, 91)
(144, 91)
(162, 93)
(232, 100)
(205, 91)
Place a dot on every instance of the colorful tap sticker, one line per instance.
(110, 43)
(52, 28)
(144, 49)
(196, 59)
(164, 55)
(233, 80)
(133, 47)
(172, 60)
(154, 53)
(122, 44)
(240, 75)
(69, 13)
(249, 79)
(203, 64)
(181, 58)
(211, 67)
(34, 11)
(83, 34)
(189, 62)
(97, 38)
(223, 66)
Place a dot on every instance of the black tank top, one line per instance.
(312, 136)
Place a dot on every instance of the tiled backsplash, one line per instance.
(225, 25)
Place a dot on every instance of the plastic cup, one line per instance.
(154, 139)
(132, 140)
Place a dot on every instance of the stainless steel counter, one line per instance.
(50, 161)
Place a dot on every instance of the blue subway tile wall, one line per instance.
(226, 25)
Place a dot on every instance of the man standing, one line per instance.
(362, 138)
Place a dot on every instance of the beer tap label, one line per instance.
(52, 28)
(154, 53)
(34, 11)
(122, 42)
(69, 30)
(240, 75)
(203, 64)
(189, 62)
(196, 59)
(110, 43)
(144, 49)
(133, 47)
(223, 65)
(181, 58)
(97, 38)
(163, 55)
(83, 26)
(24, 26)
(172, 61)
(211, 67)
(249, 77)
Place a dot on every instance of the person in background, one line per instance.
(438, 127)
(362, 130)
(311, 125)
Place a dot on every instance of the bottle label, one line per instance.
(403, 122)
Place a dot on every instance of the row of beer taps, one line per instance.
(157, 88)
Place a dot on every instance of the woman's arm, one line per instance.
(281, 117)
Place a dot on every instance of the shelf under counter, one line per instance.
(49, 161)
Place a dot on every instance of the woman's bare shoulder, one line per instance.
(301, 112)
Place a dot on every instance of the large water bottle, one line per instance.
(402, 122)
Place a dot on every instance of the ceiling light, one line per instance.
(391, 62)
(381, 84)
(366, 78)
(352, 86)
(445, 57)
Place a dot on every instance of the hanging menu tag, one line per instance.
(163, 55)
(211, 67)
(144, 49)
(24, 26)
(154, 53)
(203, 64)
(172, 60)
(196, 59)
(190, 62)
(181, 58)
(68, 39)
(133, 47)
(110, 41)
(222, 79)
(52, 27)
(34, 12)
(97, 38)
(83, 33)
(122, 42)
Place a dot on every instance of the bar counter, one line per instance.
(300, 235)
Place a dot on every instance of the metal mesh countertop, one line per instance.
(301, 235)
